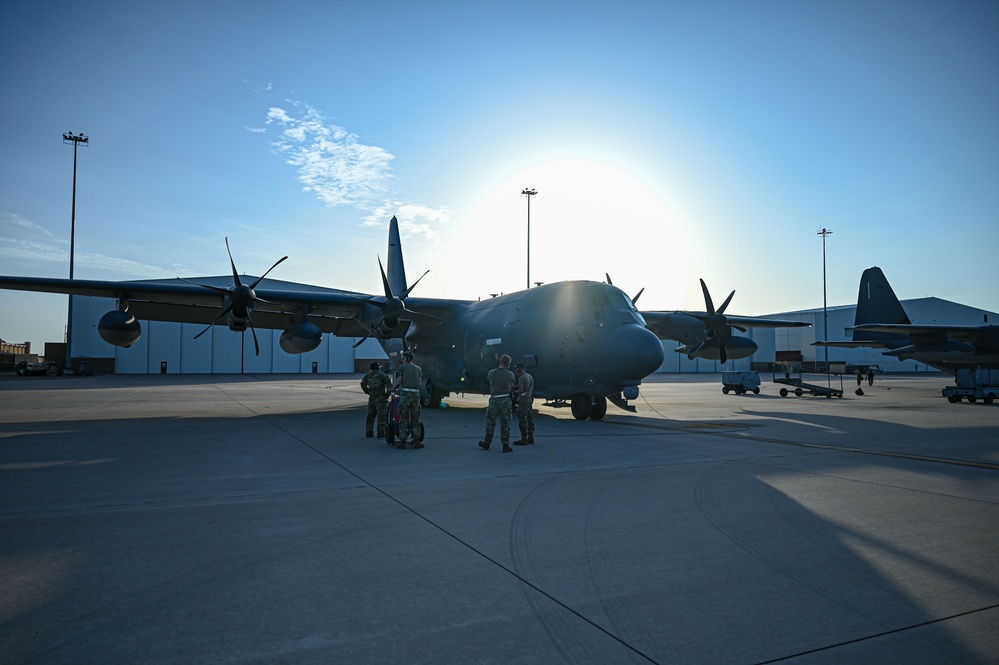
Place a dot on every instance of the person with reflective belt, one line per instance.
(524, 389)
(410, 380)
(500, 404)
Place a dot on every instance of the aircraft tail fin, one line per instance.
(396, 267)
(877, 303)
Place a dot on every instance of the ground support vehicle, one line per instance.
(741, 382)
(799, 387)
(393, 426)
(31, 369)
(974, 385)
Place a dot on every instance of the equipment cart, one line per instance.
(741, 382)
(799, 387)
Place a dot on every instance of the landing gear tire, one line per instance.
(598, 409)
(798, 392)
(434, 396)
(581, 406)
(783, 392)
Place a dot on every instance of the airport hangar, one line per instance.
(171, 348)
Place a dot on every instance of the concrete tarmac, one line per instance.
(246, 519)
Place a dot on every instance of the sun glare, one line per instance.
(587, 220)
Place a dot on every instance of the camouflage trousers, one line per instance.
(409, 402)
(525, 416)
(377, 410)
(499, 407)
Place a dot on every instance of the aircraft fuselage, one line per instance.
(576, 338)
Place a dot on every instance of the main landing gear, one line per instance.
(584, 406)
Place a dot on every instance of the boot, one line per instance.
(417, 445)
(368, 434)
(484, 444)
(401, 445)
(520, 442)
(530, 438)
(507, 448)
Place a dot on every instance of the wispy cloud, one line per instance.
(331, 161)
(24, 240)
(342, 171)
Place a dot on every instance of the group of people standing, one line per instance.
(510, 392)
(378, 386)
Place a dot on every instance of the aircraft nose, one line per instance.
(635, 352)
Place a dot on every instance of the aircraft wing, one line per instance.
(961, 332)
(859, 344)
(674, 325)
(183, 302)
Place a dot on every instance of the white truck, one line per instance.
(974, 385)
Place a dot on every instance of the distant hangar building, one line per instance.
(172, 348)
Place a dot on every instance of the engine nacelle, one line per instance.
(737, 348)
(301, 338)
(119, 328)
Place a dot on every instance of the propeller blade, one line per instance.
(385, 282)
(405, 294)
(256, 344)
(217, 319)
(708, 305)
(260, 279)
(216, 289)
(722, 351)
(721, 310)
(235, 275)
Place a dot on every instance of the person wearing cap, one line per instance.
(524, 389)
(501, 381)
(375, 385)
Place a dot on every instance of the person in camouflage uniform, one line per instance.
(524, 408)
(409, 384)
(501, 381)
(376, 385)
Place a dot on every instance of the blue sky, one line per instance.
(667, 141)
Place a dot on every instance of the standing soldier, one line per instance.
(500, 404)
(524, 389)
(375, 385)
(410, 380)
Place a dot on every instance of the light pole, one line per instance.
(529, 193)
(76, 140)
(825, 308)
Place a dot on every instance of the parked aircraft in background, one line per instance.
(881, 323)
(584, 342)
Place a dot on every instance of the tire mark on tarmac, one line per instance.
(557, 625)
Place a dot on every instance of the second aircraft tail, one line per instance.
(877, 303)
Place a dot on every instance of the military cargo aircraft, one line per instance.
(881, 323)
(584, 342)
